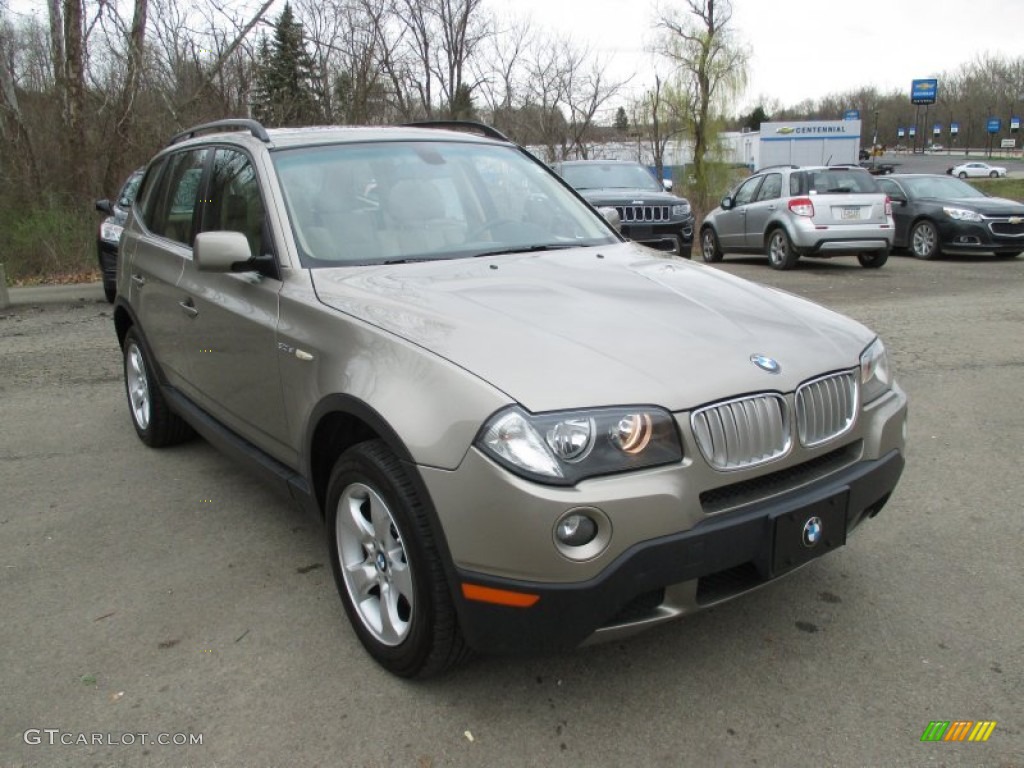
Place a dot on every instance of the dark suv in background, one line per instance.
(108, 238)
(648, 213)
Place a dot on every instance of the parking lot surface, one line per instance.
(151, 594)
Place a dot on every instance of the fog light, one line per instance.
(575, 530)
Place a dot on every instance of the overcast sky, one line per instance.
(807, 48)
(799, 48)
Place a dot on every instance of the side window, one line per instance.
(173, 210)
(796, 184)
(234, 203)
(144, 199)
(772, 187)
(746, 191)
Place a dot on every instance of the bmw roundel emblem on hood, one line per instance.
(765, 363)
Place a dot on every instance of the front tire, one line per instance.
(872, 259)
(924, 240)
(710, 250)
(780, 250)
(993, 175)
(387, 567)
(154, 421)
(963, 174)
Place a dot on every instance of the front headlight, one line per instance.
(875, 376)
(681, 210)
(565, 447)
(110, 231)
(961, 214)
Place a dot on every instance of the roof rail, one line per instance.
(469, 126)
(233, 123)
(780, 165)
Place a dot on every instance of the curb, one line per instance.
(75, 293)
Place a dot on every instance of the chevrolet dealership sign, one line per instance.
(815, 129)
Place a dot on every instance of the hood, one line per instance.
(992, 206)
(599, 326)
(621, 196)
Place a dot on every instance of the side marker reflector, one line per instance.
(498, 596)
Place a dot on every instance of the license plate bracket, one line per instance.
(849, 213)
(803, 534)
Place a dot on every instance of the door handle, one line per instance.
(189, 307)
(139, 280)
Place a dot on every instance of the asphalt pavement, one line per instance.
(168, 596)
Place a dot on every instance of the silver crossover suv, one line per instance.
(787, 212)
(519, 430)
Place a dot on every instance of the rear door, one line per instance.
(763, 207)
(156, 254)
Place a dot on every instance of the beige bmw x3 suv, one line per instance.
(520, 431)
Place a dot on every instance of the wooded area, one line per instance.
(90, 89)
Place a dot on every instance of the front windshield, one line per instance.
(940, 187)
(609, 176)
(391, 202)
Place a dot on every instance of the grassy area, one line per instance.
(1012, 189)
(48, 244)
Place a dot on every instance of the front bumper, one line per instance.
(661, 579)
(971, 237)
(677, 537)
(674, 236)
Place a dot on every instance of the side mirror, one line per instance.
(104, 206)
(221, 251)
(667, 184)
(726, 203)
(612, 217)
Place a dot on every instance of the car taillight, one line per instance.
(802, 206)
(888, 206)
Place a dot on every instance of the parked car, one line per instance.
(791, 211)
(109, 234)
(519, 429)
(976, 170)
(937, 214)
(649, 214)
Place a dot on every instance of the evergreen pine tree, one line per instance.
(284, 93)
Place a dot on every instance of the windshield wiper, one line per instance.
(528, 249)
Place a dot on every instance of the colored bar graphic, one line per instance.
(982, 730)
(958, 730)
(935, 731)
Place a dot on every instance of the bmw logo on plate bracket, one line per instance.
(765, 363)
(813, 530)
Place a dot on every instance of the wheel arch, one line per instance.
(338, 422)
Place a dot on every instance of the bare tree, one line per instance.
(710, 67)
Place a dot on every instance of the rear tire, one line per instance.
(872, 259)
(710, 250)
(154, 421)
(387, 567)
(780, 250)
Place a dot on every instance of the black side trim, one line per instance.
(280, 476)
